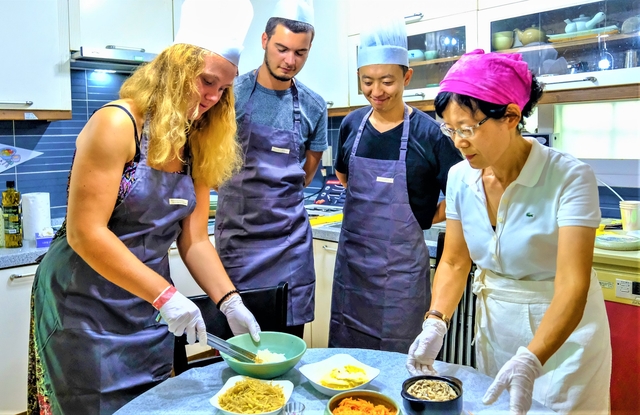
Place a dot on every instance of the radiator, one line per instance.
(457, 347)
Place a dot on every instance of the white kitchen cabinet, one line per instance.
(326, 69)
(15, 300)
(139, 24)
(324, 257)
(359, 12)
(486, 4)
(445, 39)
(596, 56)
(34, 75)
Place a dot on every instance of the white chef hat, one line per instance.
(298, 10)
(383, 42)
(219, 26)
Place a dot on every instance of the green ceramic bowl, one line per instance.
(291, 346)
(374, 397)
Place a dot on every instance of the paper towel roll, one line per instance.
(36, 214)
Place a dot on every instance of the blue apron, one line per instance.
(99, 346)
(381, 286)
(262, 230)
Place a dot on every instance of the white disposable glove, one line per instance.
(240, 318)
(425, 348)
(183, 316)
(517, 376)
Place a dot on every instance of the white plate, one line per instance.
(315, 371)
(571, 35)
(287, 388)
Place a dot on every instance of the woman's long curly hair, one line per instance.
(166, 90)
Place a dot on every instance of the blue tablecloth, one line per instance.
(190, 392)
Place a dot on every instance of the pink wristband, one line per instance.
(164, 297)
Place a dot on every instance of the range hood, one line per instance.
(110, 58)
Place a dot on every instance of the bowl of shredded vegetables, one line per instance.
(245, 395)
(425, 395)
(339, 373)
(278, 353)
(361, 402)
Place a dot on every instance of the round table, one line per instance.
(190, 392)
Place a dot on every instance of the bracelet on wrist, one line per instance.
(164, 296)
(224, 297)
(439, 315)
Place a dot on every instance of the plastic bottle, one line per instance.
(12, 213)
(1, 229)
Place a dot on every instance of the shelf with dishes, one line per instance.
(609, 38)
(433, 61)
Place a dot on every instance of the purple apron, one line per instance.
(262, 230)
(100, 346)
(381, 286)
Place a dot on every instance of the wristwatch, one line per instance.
(438, 314)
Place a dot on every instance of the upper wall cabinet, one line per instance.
(326, 70)
(568, 44)
(434, 46)
(361, 11)
(34, 76)
(485, 4)
(139, 24)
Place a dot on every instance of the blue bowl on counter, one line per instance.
(416, 406)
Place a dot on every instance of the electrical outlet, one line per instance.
(624, 289)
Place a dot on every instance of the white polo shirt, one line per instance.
(553, 189)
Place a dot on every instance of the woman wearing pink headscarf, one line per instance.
(526, 215)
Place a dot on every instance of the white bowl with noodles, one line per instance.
(287, 390)
(315, 372)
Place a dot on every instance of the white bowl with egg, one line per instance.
(333, 372)
(287, 390)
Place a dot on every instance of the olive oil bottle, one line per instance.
(12, 213)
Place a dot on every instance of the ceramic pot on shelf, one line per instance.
(502, 40)
(530, 35)
(583, 23)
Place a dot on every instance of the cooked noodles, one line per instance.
(252, 396)
(357, 406)
(432, 390)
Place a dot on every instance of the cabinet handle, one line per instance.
(417, 94)
(587, 79)
(125, 48)
(415, 16)
(26, 103)
(329, 103)
(326, 248)
(14, 277)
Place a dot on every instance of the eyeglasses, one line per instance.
(464, 132)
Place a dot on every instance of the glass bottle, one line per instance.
(12, 213)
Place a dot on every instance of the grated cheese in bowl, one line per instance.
(266, 356)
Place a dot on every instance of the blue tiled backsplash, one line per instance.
(89, 91)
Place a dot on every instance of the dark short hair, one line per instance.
(293, 25)
(489, 109)
(405, 69)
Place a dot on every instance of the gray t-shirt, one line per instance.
(275, 108)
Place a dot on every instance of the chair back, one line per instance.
(268, 305)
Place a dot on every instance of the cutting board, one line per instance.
(322, 220)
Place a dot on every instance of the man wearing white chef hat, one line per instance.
(104, 310)
(262, 232)
(393, 159)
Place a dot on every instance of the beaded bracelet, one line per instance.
(224, 297)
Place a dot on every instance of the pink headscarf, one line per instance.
(499, 78)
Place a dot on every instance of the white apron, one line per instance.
(576, 378)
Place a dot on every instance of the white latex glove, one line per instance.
(240, 318)
(425, 348)
(183, 316)
(517, 376)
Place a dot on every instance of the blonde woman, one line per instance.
(103, 306)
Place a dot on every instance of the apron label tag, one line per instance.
(384, 179)
(183, 202)
(280, 150)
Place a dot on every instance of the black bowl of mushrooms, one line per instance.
(432, 395)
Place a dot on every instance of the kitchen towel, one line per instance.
(36, 214)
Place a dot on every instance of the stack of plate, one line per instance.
(213, 205)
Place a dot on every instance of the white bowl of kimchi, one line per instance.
(339, 373)
(246, 395)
